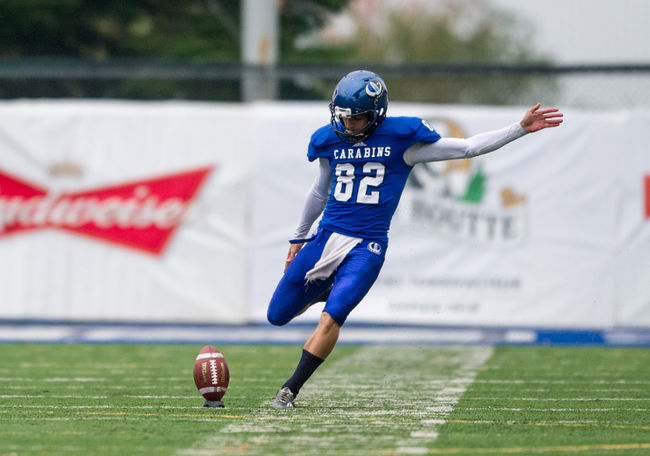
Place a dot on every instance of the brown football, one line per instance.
(211, 374)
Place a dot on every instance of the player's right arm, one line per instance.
(314, 205)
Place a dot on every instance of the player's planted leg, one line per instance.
(324, 338)
(319, 345)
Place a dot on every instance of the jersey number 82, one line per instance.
(373, 176)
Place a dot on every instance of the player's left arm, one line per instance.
(534, 119)
(314, 205)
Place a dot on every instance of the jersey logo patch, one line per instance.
(375, 247)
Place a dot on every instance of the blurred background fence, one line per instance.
(584, 86)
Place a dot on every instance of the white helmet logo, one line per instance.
(374, 89)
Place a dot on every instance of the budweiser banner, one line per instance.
(182, 211)
(140, 214)
(122, 211)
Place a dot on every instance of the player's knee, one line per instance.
(277, 318)
(277, 313)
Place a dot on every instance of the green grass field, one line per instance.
(365, 400)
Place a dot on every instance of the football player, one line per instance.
(364, 159)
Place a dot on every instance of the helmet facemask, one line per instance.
(356, 135)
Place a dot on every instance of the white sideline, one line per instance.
(373, 373)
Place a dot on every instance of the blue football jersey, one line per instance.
(368, 177)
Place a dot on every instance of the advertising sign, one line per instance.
(142, 214)
(123, 212)
(182, 212)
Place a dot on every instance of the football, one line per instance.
(211, 375)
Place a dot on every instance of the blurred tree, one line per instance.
(100, 29)
(381, 31)
(185, 30)
(441, 31)
(450, 32)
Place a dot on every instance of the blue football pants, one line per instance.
(352, 280)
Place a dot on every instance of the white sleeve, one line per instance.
(451, 148)
(316, 199)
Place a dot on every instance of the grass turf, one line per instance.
(141, 400)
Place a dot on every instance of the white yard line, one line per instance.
(567, 382)
(579, 390)
(581, 410)
(51, 380)
(77, 396)
(558, 399)
(184, 379)
(379, 397)
(52, 396)
(97, 407)
(443, 409)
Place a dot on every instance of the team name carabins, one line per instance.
(361, 152)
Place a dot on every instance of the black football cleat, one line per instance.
(284, 399)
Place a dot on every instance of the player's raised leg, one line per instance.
(293, 293)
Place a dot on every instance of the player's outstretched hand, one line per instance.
(537, 119)
(293, 250)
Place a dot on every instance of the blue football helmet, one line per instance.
(360, 93)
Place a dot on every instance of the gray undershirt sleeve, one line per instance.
(316, 199)
(452, 148)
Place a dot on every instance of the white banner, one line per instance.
(632, 246)
(123, 211)
(182, 211)
(524, 236)
(517, 237)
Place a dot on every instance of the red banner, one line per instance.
(142, 214)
